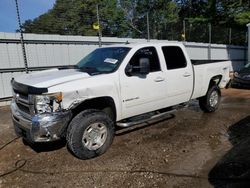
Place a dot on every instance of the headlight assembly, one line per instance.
(48, 103)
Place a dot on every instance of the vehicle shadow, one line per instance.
(233, 169)
(45, 147)
(55, 145)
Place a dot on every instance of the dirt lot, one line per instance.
(192, 149)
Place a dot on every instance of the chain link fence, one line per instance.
(188, 31)
(180, 30)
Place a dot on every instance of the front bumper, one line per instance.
(41, 127)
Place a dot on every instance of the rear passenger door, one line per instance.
(179, 75)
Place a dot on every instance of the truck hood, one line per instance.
(52, 77)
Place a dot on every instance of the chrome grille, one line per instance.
(23, 108)
(23, 104)
(22, 96)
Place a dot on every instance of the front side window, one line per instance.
(174, 57)
(103, 60)
(149, 53)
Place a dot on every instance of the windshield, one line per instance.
(103, 60)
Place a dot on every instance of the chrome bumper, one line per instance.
(41, 127)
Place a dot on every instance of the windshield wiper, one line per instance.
(90, 70)
(68, 67)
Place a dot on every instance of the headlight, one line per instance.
(48, 103)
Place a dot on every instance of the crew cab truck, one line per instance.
(119, 85)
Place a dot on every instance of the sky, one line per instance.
(29, 9)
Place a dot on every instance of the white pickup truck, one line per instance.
(114, 86)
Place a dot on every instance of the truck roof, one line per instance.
(143, 44)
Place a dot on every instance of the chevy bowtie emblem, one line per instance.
(16, 96)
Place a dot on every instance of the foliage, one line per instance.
(243, 18)
(128, 18)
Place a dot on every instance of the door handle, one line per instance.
(186, 74)
(159, 79)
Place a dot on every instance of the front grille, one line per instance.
(23, 104)
(23, 108)
(22, 96)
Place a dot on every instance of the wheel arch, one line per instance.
(105, 103)
(215, 80)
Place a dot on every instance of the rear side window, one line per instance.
(174, 57)
(151, 54)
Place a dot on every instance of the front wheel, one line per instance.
(90, 134)
(211, 101)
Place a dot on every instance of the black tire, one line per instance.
(206, 104)
(78, 127)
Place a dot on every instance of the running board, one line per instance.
(159, 116)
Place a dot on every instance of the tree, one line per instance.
(121, 18)
(128, 18)
(76, 17)
(243, 18)
(161, 14)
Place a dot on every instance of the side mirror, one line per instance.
(144, 66)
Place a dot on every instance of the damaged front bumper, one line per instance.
(41, 127)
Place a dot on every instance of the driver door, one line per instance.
(142, 93)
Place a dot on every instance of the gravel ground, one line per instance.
(191, 149)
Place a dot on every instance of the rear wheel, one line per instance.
(211, 101)
(90, 134)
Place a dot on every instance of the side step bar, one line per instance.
(154, 117)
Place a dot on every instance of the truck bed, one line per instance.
(204, 70)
